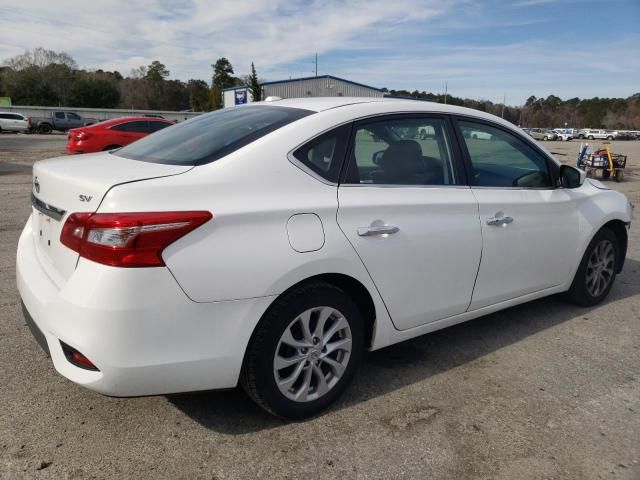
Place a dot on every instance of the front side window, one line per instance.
(501, 159)
(325, 153)
(208, 137)
(401, 151)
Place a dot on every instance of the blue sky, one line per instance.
(481, 49)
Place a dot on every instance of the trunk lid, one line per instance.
(65, 185)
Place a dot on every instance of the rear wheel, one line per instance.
(590, 137)
(619, 175)
(606, 174)
(545, 138)
(609, 138)
(597, 270)
(304, 351)
(44, 129)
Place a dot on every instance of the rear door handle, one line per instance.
(377, 230)
(499, 221)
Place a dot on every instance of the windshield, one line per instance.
(211, 136)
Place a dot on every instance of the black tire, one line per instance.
(44, 129)
(609, 138)
(590, 137)
(619, 176)
(579, 293)
(111, 147)
(258, 378)
(606, 174)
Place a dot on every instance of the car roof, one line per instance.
(392, 105)
(116, 121)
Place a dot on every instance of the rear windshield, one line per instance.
(209, 137)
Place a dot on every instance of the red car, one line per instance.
(112, 134)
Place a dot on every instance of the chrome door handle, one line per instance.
(499, 221)
(377, 230)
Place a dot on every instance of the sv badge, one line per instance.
(85, 198)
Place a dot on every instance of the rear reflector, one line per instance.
(76, 358)
(128, 239)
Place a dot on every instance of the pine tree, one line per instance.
(254, 85)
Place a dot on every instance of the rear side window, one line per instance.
(138, 127)
(324, 154)
(209, 137)
(60, 115)
(401, 151)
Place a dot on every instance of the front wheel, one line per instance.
(304, 352)
(609, 138)
(597, 270)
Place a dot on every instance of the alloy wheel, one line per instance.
(600, 269)
(312, 354)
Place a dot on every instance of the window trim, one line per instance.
(466, 158)
(459, 169)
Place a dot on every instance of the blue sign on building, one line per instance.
(241, 96)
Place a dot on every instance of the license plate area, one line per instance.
(44, 231)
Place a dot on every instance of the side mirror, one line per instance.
(571, 177)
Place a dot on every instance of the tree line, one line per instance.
(552, 111)
(48, 78)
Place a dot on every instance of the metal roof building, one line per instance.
(322, 86)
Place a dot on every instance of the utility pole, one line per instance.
(316, 64)
(504, 100)
(446, 90)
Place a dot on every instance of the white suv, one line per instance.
(596, 134)
(14, 122)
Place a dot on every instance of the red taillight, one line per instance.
(81, 135)
(128, 239)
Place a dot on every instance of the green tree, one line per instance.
(254, 85)
(93, 93)
(222, 74)
(157, 72)
(215, 99)
(198, 95)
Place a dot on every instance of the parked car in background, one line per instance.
(624, 136)
(14, 122)
(563, 135)
(180, 262)
(61, 121)
(543, 134)
(112, 134)
(593, 134)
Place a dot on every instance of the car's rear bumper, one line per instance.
(136, 326)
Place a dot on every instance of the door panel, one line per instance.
(529, 227)
(426, 270)
(535, 251)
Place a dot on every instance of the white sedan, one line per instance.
(272, 244)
